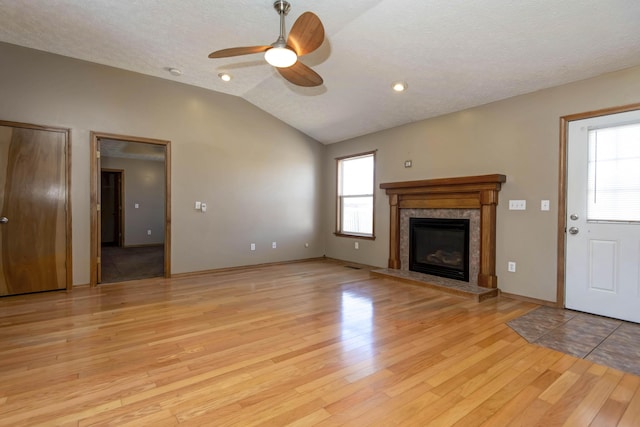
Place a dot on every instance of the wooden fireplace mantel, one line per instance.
(469, 192)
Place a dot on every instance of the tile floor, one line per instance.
(610, 342)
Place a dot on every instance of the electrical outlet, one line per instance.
(544, 205)
(253, 246)
(511, 266)
(517, 205)
(356, 245)
(148, 232)
(273, 245)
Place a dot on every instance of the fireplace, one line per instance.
(439, 247)
(474, 197)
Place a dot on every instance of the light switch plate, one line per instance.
(517, 205)
(544, 205)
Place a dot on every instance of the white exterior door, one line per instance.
(603, 216)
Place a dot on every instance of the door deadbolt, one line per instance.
(574, 230)
(574, 217)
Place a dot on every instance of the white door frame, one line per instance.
(562, 189)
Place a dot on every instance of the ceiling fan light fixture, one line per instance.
(225, 77)
(281, 57)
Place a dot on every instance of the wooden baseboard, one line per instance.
(351, 264)
(144, 245)
(531, 300)
(242, 267)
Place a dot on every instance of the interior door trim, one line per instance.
(67, 150)
(95, 176)
(562, 187)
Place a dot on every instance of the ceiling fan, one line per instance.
(306, 35)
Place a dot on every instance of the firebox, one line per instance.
(439, 247)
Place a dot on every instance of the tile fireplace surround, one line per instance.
(473, 197)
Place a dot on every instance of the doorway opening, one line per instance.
(111, 190)
(130, 208)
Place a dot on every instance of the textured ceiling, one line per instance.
(454, 54)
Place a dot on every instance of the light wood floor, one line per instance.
(304, 344)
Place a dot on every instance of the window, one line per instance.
(614, 174)
(355, 195)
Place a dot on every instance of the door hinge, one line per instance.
(97, 154)
(98, 207)
(98, 260)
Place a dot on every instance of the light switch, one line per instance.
(136, 205)
(517, 205)
(198, 205)
(203, 207)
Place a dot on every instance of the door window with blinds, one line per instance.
(355, 193)
(614, 174)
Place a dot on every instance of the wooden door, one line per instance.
(35, 231)
(603, 216)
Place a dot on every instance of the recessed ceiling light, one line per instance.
(399, 86)
(175, 72)
(224, 77)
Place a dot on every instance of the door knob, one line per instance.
(4, 220)
(574, 230)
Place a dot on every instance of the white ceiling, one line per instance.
(454, 54)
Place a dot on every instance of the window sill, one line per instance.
(356, 236)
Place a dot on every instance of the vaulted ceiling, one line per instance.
(453, 54)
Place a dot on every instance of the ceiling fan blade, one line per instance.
(237, 51)
(307, 34)
(301, 75)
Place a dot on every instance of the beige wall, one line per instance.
(261, 178)
(144, 186)
(518, 137)
(264, 181)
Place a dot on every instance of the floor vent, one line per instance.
(352, 267)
